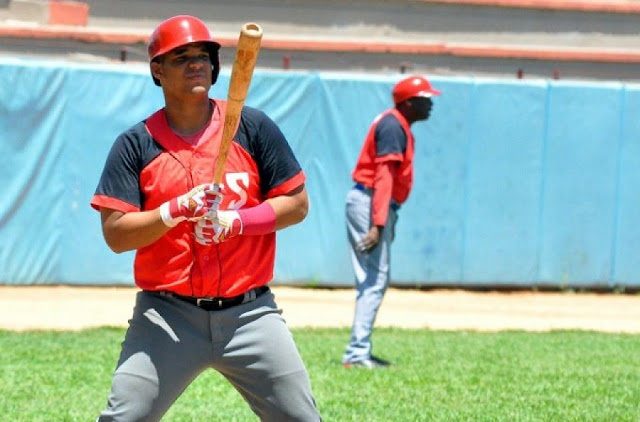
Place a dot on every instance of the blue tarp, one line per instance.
(518, 182)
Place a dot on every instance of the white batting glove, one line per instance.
(193, 205)
(218, 228)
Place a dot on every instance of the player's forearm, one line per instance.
(291, 208)
(134, 230)
(382, 188)
(267, 217)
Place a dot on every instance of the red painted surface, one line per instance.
(68, 13)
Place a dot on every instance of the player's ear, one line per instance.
(156, 69)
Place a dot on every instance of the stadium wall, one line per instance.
(529, 183)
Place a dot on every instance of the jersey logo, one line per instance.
(237, 183)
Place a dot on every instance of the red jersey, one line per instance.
(389, 139)
(149, 165)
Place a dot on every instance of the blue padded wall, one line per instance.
(517, 182)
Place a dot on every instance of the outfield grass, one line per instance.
(437, 376)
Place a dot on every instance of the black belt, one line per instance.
(359, 186)
(220, 303)
(362, 187)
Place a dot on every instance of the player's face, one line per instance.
(421, 107)
(186, 69)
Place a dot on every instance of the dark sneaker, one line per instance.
(370, 363)
(381, 361)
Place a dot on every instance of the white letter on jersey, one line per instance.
(233, 182)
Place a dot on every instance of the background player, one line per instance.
(204, 301)
(383, 178)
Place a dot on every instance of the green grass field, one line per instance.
(437, 376)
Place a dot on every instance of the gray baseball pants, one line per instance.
(170, 342)
(371, 272)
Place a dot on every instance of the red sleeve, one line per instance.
(286, 187)
(103, 201)
(382, 187)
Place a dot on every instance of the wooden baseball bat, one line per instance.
(241, 73)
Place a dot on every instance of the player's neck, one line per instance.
(187, 119)
(406, 114)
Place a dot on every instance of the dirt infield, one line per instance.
(74, 308)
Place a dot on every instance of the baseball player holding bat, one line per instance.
(383, 177)
(204, 251)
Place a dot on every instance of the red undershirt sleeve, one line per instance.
(382, 187)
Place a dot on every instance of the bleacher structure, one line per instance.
(581, 39)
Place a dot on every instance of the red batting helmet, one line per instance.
(413, 86)
(181, 30)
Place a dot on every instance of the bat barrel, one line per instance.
(241, 73)
(252, 29)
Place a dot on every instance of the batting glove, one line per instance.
(219, 228)
(193, 205)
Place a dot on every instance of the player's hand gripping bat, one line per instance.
(241, 73)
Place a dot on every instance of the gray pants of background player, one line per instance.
(371, 272)
(170, 342)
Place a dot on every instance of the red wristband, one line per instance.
(258, 220)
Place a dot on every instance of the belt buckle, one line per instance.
(204, 300)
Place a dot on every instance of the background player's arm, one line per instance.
(382, 187)
(290, 208)
(133, 230)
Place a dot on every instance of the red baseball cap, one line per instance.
(413, 86)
